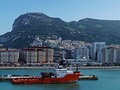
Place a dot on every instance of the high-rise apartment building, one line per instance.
(37, 54)
(111, 54)
(9, 55)
(96, 50)
(81, 52)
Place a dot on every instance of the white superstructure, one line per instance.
(62, 72)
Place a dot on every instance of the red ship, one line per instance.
(59, 76)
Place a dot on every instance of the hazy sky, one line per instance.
(67, 10)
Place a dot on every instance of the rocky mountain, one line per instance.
(27, 26)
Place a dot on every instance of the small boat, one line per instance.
(61, 75)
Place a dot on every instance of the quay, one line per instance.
(52, 67)
(90, 77)
(10, 77)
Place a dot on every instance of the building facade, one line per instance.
(81, 52)
(111, 55)
(9, 55)
(96, 50)
(37, 55)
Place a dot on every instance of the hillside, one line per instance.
(27, 26)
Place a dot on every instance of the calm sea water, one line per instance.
(108, 80)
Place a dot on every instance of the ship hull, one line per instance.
(69, 78)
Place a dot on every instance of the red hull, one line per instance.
(38, 80)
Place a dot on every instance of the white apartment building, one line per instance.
(96, 50)
(81, 52)
(111, 54)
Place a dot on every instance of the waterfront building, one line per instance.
(62, 54)
(81, 52)
(90, 51)
(96, 50)
(111, 55)
(9, 55)
(37, 55)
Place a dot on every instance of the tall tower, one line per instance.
(97, 49)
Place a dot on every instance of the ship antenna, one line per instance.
(76, 68)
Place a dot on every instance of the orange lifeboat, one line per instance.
(59, 76)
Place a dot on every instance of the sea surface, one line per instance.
(107, 80)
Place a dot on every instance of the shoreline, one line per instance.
(47, 67)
